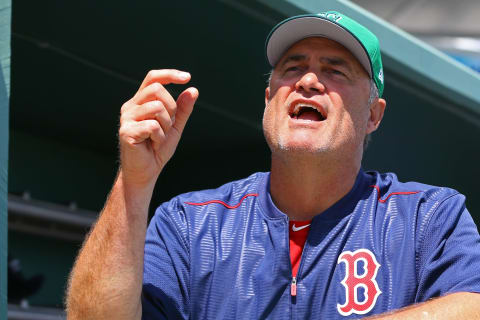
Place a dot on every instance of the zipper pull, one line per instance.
(293, 288)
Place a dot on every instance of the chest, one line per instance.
(346, 269)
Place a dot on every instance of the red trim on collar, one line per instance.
(223, 203)
(391, 194)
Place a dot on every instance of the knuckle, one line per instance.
(155, 87)
(124, 119)
(152, 105)
(150, 74)
(153, 125)
(158, 94)
(157, 106)
(125, 106)
(162, 112)
(125, 115)
(123, 132)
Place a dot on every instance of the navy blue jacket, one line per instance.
(224, 253)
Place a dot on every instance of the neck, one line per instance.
(302, 188)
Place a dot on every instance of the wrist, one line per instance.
(133, 181)
(137, 193)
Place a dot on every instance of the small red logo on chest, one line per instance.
(353, 281)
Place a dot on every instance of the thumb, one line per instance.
(185, 102)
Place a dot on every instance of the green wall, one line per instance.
(5, 14)
(58, 172)
(53, 258)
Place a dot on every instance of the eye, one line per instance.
(293, 68)
(337, 72)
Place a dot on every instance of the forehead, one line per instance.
(322, 47)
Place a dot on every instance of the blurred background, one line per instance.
(74, 63)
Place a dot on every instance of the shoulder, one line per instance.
(227, 193)
(227, 196)
(388, 187)
(421, 208)
(194, 211)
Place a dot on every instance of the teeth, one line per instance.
(298, 106)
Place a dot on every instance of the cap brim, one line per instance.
(291, 31)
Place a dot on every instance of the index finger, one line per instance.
(165, 76)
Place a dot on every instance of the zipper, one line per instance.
(293, 283)
(293, 287)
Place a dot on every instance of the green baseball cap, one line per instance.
(360, 41)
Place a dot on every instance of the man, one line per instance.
(317, 237)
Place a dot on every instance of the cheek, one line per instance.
(271, 110)
(359, 122)
(268, 126)
(267, 119)
(352, 122)
(352, 110)
(363, 114)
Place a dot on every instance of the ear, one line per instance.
(377, 109)
(267, 95)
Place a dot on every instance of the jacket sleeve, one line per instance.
(448, 257)
(165, 293)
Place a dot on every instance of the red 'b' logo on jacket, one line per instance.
(353, 281)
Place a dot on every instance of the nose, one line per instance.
(309, 82)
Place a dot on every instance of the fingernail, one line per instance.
(184, 75)
(173, 120)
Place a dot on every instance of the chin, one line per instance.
(302, 147)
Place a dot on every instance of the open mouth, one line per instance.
(306, 112)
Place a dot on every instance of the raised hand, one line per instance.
(151, 125)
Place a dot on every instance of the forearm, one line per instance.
(462, 305)
(106, 281)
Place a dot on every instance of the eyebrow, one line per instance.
(333, 61)
(294, 57)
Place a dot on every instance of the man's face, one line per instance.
(317, 100)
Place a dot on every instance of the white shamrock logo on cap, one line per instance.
(380, 75)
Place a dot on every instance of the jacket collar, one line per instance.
(337, 211)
